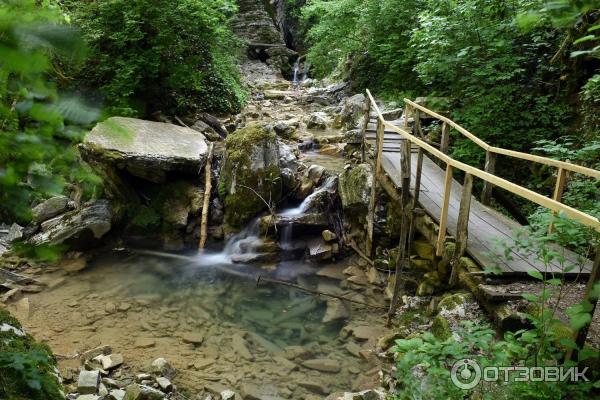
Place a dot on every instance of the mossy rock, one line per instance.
(35, 377)
(250, 174)
(355, 189)
(441, 328)
(424, 249)
(451, 301)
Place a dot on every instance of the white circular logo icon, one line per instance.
(466, 374)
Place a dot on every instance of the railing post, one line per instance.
(445, 138)
(417, 123)
(367, 110)
(462, 227)
(416, 194)
(490, 168)
(444, 212)
(406, 113)
(559, 189)
(404, 227)
(379, 136)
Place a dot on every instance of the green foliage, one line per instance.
(173, 56)
(37, 126)
(26, 367)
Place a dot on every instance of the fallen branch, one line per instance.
(207, 191)
(315, 292)
(358, 251)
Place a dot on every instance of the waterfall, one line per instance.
(307, 203)
(243, 243)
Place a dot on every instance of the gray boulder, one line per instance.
(78, 227)
(352, 110)
(317, 120)
(145, 149)
(50, 208)
(355, 187)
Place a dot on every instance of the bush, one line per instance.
(175, 56)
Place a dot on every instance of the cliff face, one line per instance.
(287, 16)
(256, 25)
(258, 28)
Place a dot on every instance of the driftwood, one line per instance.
(358, 251)
(260, 279)
(207, 191)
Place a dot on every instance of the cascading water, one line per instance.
(239, 245)
(308, 202)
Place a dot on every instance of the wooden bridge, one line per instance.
(407, 159)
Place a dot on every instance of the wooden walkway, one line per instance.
(489, 232)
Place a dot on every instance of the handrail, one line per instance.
(511, 153)
(528, 194)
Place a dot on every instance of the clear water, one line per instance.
(120, 300)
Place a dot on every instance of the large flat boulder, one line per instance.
(146, 149)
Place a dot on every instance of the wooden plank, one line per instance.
(486, 226)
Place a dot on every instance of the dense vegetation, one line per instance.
(519, 74)
(37, 126)
(173, 56)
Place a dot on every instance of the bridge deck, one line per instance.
(487, 227)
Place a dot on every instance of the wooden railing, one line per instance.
(554, 204)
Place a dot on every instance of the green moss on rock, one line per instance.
(251, 171)
(27, 368)
(355, 187)
(441, 328)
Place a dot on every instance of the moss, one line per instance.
(451, 301)
(354, 187)
(441, 328)
(238, 176)
(26, 366)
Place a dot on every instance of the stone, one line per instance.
(425, 289)
(15, 232)
(352, 110)
(440, 328)
(353, 349)
(161, 367)
(318, 250)
(144, 343)
(77, 228)
(110, 361)
(373, 276)
(424, 249)
(250, 391)
(89, 397)
(282, 129)
(195, 338)
(317, 120)
(309, 180)
(116, 394)
(358, 279)
(354, 187)
(332, 271)
(323, 365)
(240, 347)
(365, 332)
(49, 209)
(227, 395)
(146, 149)
(142, 392)
(336, 310)
(102, 390)
(315, 386)
(251, 161)
(88, 382)
(297, 352)
(328, 236)
(123, 307)
(164, 383)
(95, 352)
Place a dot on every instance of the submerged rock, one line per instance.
(250, 175)
(79, 228)
(145, 149)
(323, 364)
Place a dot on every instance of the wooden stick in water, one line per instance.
(206, 205)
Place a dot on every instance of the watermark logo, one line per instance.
(467, 373)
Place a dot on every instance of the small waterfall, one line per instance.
(300, 73)
(285, 241)
(307, 203)
(243, 243)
